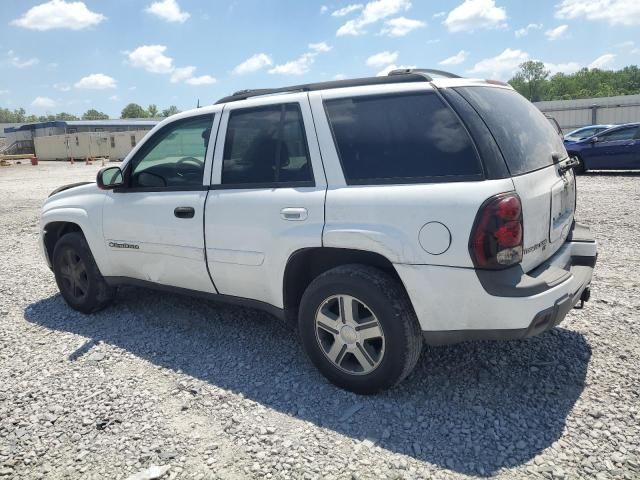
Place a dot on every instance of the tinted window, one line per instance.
(523, 133)
(620, 134)
(174, 156)
(403, 138)
(266, 146)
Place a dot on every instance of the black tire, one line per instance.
(77, 275)
(580, 169)
(387, 300)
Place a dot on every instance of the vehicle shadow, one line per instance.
(473, 408)
(611, 173)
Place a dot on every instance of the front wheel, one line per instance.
(580, 168)
(77, 275)
(359, 328)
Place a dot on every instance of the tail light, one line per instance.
(496, 238)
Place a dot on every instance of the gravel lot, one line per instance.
(213, 391)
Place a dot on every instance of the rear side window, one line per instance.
(401, 138)
(266, 146)
(525, 136)
(621, 134)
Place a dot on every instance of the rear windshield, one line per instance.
(401, 138)
(525, 136)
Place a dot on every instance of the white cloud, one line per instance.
(603, 62)
(456, 59)
(63, 87)
(615, 12)
(201, 80)
(385, 71)
(433, 41)
(18, 62)
(96, 81)
(341, 12)
(182, 73)
(523, 32)
(401, 26)
(43, 102)
(439, 14)
(253, 64)
(383, 58)
(337, 76)
(627, 44)
(299, 66)
(59, 14)
(114, 98)
(556, 33)
(502, 66)
(320, 47)
(151, 58)
(323, 9)
(4, 92)
(569, 67)
(373, 12)
(475, 14)
(168, 10)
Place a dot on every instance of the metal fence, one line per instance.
(572, 114)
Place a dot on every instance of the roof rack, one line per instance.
(426, 72)
(395, 76)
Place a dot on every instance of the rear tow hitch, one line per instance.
(586, 295)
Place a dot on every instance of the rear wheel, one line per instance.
(359, 328)
(77, 275)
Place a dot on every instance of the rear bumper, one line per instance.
(459, 304)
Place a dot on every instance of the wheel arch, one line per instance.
(306, 264)
(53, 231)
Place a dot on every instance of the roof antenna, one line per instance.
(198, 106)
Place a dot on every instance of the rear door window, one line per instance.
(401, 138)
(525, 136)
(266, 146)
(628, 133)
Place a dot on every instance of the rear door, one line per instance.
(529, 145)
(267, 195)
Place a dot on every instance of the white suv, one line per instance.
(373, 213)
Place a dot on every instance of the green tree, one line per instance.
(152, 110)
(530, 80)
(172, 110)
(133, 110)
(93, 114)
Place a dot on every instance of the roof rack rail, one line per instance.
(425, 72)
(309, 87)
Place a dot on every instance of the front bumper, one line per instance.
(459, 304)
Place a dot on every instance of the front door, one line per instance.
(614, 150)
(267, 195)
(153, 225)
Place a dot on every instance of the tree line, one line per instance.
(536, 83)
(133, 110)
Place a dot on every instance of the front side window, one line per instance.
(620, 134)
(174, 156)
(266, 146)
(400, 138)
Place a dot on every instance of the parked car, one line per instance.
(373, 213)
(585, 132)
(617, 148)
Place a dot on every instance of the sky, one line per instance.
(68, 55)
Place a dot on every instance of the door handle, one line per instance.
(184, 212)
(294, 214)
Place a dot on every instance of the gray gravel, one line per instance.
(166, 385)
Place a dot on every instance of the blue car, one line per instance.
(585, 132)
(615, 149)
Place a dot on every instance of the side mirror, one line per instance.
(594, 140)
(109, 178)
